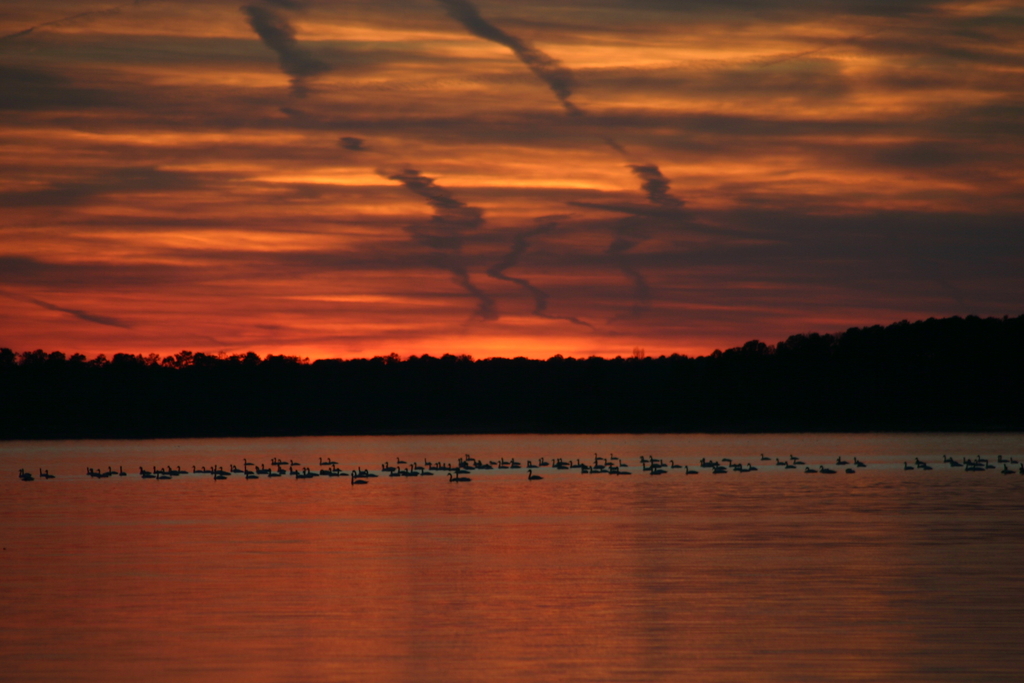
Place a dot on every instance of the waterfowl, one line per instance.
(530, 476)
(907, 467)
(825, 470)
(674, 465)
(356, 480)
(850, 470)
(858, 463)
(25, 476)
(689, 471)
(457, 479)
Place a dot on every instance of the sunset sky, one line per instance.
(352, 178)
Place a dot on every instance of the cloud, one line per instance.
(69, 19)
(558, 77)
(78, 313)
(353, 144)
(520, 243)
(130, 179)
(444, 233)
(629, 234)
(277, 33)
(656, 186)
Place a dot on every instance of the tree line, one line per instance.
(951, 374)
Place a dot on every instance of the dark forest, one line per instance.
(954, 374)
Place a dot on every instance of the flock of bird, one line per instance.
(466, 465)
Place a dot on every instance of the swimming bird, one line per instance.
(689, 471)
(530, 476)
(25, 476)
(907, 467)
(825, 470)
(356, 480)
(850, 470)
(457, 479)
(674, 465)
(858, 463)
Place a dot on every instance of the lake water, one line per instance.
(773, 575)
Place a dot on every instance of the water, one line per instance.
(774, 575)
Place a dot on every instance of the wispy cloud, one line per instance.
(558, 77)
(444, 233)
(277, 33)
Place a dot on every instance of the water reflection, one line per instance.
(767, 576)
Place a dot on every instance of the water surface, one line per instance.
(771, 575)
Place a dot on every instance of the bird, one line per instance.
(689, 471)
(355, 480)
(530, 476)
(457, 479)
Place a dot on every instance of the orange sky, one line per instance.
(502, 178)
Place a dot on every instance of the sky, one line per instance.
(503, 177)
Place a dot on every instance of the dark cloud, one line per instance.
(23, 89)
(78, 313)
(132, 179)
(559, 78)
(277, 33)
(444, 233)
(286, 4)
(353, 144)
(520, 243)
(656, 186)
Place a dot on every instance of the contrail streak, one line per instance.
(73, 17)
(558, 77)
(520, 244)
(656, 186)
(628, 233)
(444, 233)
(626, 238)
(278, 34)
(80, 314)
